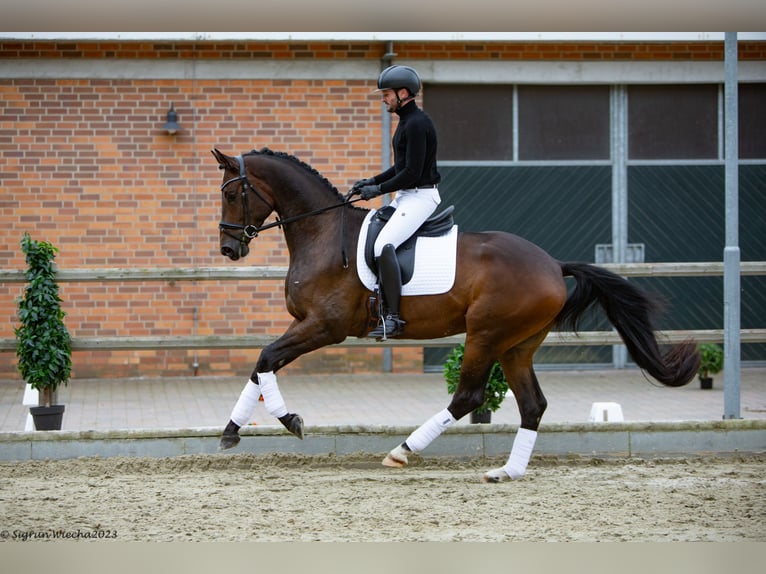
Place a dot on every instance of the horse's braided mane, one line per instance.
(302, 164)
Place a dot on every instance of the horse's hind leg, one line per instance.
(469, 395)
(520, 374)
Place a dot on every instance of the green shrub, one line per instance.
(496, 385)
(43, 345)
(711, 359)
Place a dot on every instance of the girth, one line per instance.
(434, 226)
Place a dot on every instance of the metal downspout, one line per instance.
(385, 162)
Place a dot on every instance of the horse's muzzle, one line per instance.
(234, 251)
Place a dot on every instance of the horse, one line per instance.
(508, 293)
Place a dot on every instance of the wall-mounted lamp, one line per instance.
(171, 126)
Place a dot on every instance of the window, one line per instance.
(474, 123)
(673, 122)
(563, 122)
(752, 121)
(560, 123)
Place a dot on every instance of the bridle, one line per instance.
(249, 231)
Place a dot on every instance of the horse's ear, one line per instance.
(224, 161)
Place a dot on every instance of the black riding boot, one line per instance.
(390, 277)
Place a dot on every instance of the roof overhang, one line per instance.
(380, 36)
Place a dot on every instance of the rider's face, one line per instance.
(389, 98)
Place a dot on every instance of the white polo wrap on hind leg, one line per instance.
(245, 407)
(523, 445)
(272, 398)
(424, 435)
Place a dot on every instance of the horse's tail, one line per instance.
(628, 309)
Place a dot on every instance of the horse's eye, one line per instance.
(230, 196)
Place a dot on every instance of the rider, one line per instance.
(414, 178)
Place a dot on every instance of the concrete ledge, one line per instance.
(647, 439)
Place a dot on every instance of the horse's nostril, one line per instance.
(227, 251)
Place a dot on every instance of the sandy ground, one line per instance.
(301, 498)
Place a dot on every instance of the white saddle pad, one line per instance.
(435, 262)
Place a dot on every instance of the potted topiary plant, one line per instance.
(711, 362)
(43, 345)
(494, 394)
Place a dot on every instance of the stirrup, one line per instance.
(391, 326)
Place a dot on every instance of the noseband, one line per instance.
(249, 231)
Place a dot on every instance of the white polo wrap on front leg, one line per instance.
(245, 407)
(523, 445)
(424, 435)
(272, 398)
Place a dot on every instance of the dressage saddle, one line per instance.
(435, 226)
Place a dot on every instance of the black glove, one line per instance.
(370, 191)
(362, 182)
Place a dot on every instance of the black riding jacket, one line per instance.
(414, 145)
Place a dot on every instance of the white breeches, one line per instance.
(413, 207)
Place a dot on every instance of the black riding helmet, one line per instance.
(395, 77)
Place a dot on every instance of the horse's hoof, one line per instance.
(230, 436)
(495, 475)
(392, 462)
(397, 458)
(228, 441)
(293, 423)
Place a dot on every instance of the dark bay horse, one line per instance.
(507, 295)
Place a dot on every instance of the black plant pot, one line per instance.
(706, 382)
(48, 418)
(479, 418)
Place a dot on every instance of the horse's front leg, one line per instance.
(302, 337)
(261, 384)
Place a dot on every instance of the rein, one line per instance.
(250, 231)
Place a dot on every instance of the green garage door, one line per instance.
(671, 202)
(567, 211)
(564, 209)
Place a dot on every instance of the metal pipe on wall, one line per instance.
(385, 162)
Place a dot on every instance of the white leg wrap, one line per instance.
(523, 445)
(272, 398)
(428, 431)
(245, 407)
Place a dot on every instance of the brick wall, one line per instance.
(85, 165)
(586, 51)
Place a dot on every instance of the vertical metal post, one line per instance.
(515, 112)
(385, 146)
(619, 150)
(731, 255)
(385, 161)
